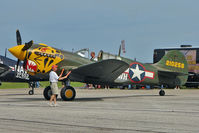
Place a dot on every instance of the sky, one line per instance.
(101, 24)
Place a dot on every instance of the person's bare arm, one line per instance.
(61, 78)
(61, 73)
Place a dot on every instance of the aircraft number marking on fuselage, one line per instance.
(123, 76)
(174, 64)
(21, 73)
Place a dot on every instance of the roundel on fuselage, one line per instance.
(137, 73)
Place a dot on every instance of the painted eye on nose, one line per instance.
(46, 55)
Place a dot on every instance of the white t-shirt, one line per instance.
(53, 77)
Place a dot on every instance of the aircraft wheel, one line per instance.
(68, 93)
(31, 92)
(162, 93)
(47, 93)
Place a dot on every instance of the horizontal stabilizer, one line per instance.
(170, 73)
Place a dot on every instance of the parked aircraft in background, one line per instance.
(38, 59)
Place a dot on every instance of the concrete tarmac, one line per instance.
(101, 111)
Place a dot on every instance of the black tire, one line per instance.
(31, 92)
(162, 93)
(68, 93)
(47, 93)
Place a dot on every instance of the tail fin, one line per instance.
(173, 66)
(174, 61)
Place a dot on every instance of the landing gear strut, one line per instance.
(32, 85)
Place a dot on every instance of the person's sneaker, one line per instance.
(50, 104)
(55, 105)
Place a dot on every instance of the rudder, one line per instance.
(174, 61)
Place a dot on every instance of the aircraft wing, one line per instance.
(103, 72)
(4, 69)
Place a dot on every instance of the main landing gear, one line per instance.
(47, 93)
(67, 93)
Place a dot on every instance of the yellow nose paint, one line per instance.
(44, 57)
(41, 57)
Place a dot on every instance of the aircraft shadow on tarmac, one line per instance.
(90, 99)
(15, 94)
(113, 97)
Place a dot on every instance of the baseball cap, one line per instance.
(54, 66)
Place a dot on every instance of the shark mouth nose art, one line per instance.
(31, 66)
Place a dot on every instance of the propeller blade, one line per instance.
(24, 63)
(27, 45)
(17, 65)
(19, 42)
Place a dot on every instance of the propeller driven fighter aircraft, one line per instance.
(171, 70)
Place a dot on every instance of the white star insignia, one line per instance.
(137, 72)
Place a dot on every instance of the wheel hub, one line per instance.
(69, 93)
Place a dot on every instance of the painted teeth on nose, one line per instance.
(28, 68)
